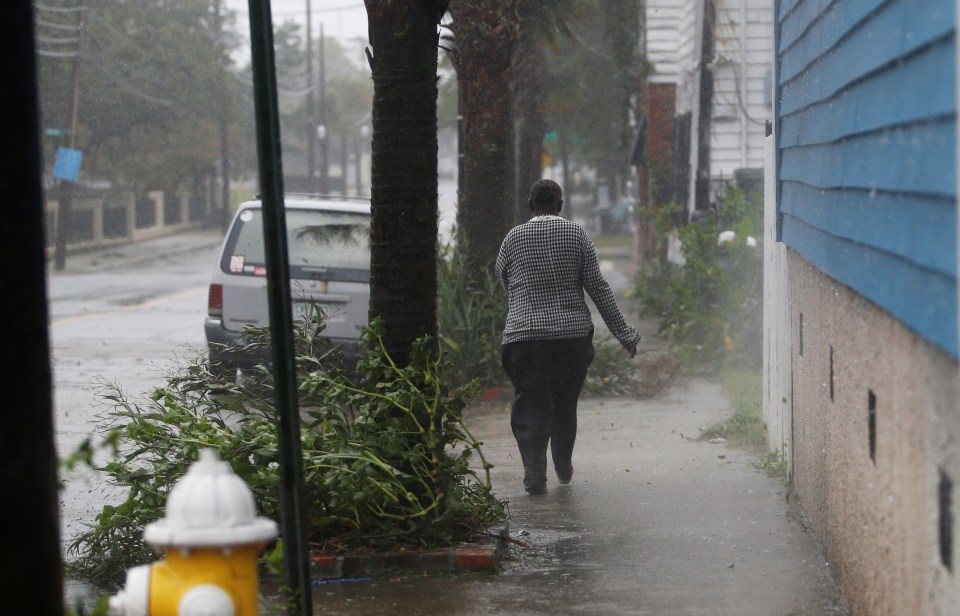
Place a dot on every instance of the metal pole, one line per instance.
(223, 216)
(65, 199)
(311, 131)
(292, 507)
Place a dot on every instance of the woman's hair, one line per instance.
(545, 192)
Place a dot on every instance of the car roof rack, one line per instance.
(259, 196)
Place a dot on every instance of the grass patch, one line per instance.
(774, 464)
(745, 427)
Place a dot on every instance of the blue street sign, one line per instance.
(67, 164)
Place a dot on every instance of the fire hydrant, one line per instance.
(210, 539)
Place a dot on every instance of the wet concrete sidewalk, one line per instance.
(654, 522)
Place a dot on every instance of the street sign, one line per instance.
(67, 164)
(55, 132)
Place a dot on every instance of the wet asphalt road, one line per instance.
(114, 321)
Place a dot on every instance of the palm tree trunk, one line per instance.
(486, 33)
(528, 104)
(403, 277)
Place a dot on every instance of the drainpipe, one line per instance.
(744, 74)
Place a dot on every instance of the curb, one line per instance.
(484, 555)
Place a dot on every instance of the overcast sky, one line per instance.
(343, 19)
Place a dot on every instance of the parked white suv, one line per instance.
(328, 245)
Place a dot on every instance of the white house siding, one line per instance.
(777, 377)
(688, 55)
(663, 20)
(743, 61)
(742, 65)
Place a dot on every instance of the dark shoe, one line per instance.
(537, 490)
(564, 475)
(535, 483)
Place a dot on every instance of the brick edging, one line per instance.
(496, 394)
(482, 555)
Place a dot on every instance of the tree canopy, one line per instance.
(154, 77)
(160, 79)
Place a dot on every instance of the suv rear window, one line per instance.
(323, 245)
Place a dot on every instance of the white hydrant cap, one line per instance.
(206, 600)
(210, 507)
(134, 598)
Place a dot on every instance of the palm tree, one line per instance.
(500, 63)
(404, 37)
(486, 32)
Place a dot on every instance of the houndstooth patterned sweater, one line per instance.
(545, 264)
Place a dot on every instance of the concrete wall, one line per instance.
(876, 461)
(111, 218)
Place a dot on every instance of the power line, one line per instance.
(58, 41)
(56, 26)
(60, 9)
(336, 9)
(131, 89)
(286, 90)
(57, 54)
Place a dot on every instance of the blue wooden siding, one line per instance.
(866, 148)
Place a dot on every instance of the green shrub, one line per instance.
(611, 373)
(400, 471)
(471, 315)
(387, 458)
(712, 306)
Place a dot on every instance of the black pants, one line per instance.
(548, 376)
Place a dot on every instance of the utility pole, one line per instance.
(311, 131)
(325, 138)
(224, 214)
(224, 170)
(65, 199)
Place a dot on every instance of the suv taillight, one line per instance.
(215, 300)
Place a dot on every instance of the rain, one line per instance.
(489, 307)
